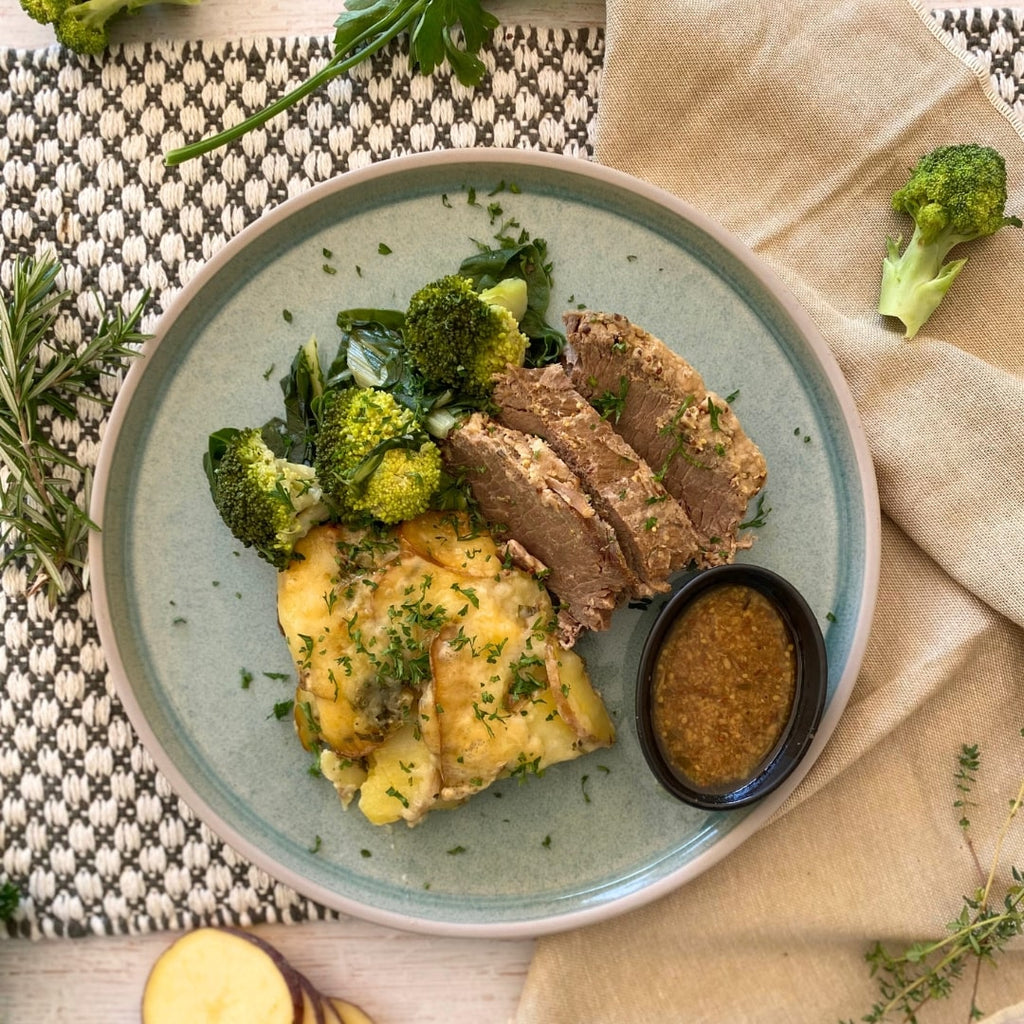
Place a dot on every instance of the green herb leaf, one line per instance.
(282, 709)
(527, 259)
(366, 27)
(760, 516)
(9, 900)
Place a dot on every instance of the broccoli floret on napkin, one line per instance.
(955, 194)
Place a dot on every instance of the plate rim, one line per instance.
(478, 158)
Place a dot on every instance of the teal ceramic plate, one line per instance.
(182, 611)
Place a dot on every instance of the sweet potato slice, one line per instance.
(313, 1010)
(346, 1012)
(222, 976)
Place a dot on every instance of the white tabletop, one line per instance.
(395, 976)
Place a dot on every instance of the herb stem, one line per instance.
(379, 36)
(1015, 806)
(978, 931)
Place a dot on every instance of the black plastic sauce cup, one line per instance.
(808, 698)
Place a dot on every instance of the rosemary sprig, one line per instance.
(44, 492)
(928, 970)
(10, 897)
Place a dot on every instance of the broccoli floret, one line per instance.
(955, 194)
(265, 501)
(373, 457)
(402, 485)
(81, 25)
(46, 12)
(460, 338)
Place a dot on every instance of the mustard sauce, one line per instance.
(724, 684)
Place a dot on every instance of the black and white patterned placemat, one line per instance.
(90, 831)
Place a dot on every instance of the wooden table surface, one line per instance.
(397, 977)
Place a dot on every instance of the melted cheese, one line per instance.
(427, 667)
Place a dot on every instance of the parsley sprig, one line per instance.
(927, 971)
(364, 28)
(44, 492)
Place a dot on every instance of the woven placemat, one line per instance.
(90, 831)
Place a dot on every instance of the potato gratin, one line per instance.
(428, 666)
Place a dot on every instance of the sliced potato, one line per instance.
(576, 699)
(432, 671)
(403, 774)
(479, 733)
(450, 540)
(222, 976)
(487, 731)
(345, 774)
(312, 592)
(306, 725)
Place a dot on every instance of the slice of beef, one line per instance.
(687, 434)
(654, 532)
(526, 492)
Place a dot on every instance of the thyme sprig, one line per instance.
(44, 491)
(927, 971)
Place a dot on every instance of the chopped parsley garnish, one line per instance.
(524, 680)
(611, 404)
(282, 709)
(713, 412)
(469, 593)
(760, 516)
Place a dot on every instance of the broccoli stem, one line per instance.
(379, 35)
(915, 283)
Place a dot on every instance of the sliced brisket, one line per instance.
(526, 492)
(654, 532)
(687, 435)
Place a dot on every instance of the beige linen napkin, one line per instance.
(792, 124)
